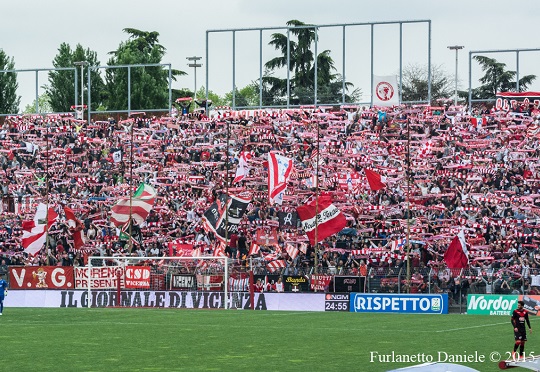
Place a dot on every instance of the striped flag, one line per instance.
(279, 171)
(141, 205)
(35, 231)
(276, 265)
(292, 251)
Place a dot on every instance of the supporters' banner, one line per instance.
(348, 181)
(101, 277)
(327, 221)
(41, 277)
(209, 282)
(266, 237)
(239, 282)
(180, 249)
(505, 100)
(214, 218)
(288, 220)
(75, 227)
(185, 282)
(279, 171)
(320, 282)
(348, 284)
(137, 276)
(138, 207)
(35, 231)
(385, 91)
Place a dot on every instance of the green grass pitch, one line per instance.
(45, 339)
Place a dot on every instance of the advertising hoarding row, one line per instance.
(354, 302)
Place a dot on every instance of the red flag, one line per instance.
(329, 219)
(374, 180)
(457, 256)
(75, 227)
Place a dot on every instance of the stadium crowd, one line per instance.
(474, 171)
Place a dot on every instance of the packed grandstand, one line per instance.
(475, 172)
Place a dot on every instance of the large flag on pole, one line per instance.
(141, 205)
(385, 91)
(279, 171)
(226, 213)
(457, 255)
(328, 219)
(76, 227)
(35, 231)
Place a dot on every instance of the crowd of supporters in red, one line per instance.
(475, 171)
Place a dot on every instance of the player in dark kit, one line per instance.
(519, 317)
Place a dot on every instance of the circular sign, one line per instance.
(384, 91)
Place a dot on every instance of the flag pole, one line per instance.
(227, 186)
(316, 262)
(47, 190)
(408, 207)
(131, 188)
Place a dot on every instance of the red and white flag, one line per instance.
(138, 208)
(279, 171)
(374, 180)
(276, 265)
(35, 231)
(323, 217)
(241, 169)
(457, 255)
(292, 251)
(75, 227)
(254, 249)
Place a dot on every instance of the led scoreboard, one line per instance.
(336, 302)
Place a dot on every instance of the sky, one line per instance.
(32, 32)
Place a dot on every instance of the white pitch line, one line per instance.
(532, 319)
(471, 327)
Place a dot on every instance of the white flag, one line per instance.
(117, 156)
(385, 91)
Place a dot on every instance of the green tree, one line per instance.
(149, 85)
(61, 85)
(247, 96)
(44, 105)
(415, 83)
(9, 100)
(302, 67)
(214, 97)
(498, 79)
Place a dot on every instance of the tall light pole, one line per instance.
(194, 65)
(456, 48)
(82, 64)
